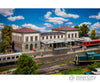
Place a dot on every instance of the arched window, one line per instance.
(68, 35)
(26, 47)
(75, 34)
(35, 45)
(72, 35)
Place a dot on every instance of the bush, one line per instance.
(94, 65)
(26, 65)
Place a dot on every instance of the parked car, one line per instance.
(96, 71)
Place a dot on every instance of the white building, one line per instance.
(71, 34)
(25, 39)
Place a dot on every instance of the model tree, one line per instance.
(6, 35)
(84, 30)
(1, 47)
(26, 65)
(76, 26)
(93, 34)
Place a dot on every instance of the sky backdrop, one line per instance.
(44, 19)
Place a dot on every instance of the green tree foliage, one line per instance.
(6, 35)
(76, 26)
(26, 65)
(1, 47)
(93, 34)
(94, 65)
(84, 30)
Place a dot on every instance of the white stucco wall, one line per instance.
(16, 34)
(32, 34)
(52, 37)
(72, 32)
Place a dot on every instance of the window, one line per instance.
(50, 37)
(58, 36)
(87, 42)
(43, 37)
(75, 34)
(26, 47)
(46, 37)
(17, 56)
(31, 38)
(8, 58)
(68, 35)
(4, 58)
(13, 57)
(72, 35)
(36, 38)
(54, 36)
(27, 39)
(61, 36)
(0, 59)
(35, 45)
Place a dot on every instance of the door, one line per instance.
(31, 46)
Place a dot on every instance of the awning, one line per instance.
(53, 41)
(69, 40)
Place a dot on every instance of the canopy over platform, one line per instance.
(54, 41)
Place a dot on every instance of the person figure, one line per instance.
(42, 54)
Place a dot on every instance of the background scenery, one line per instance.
(45, 19)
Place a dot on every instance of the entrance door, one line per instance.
(51, 45)
(54, 45)
(31, 46)
(72, 43)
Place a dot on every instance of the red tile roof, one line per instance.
(25, 30)
(65, 28)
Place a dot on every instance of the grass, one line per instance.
(39, 64)
(5, 69)
(76, 71)
(65, 63)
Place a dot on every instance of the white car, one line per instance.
(96, 71)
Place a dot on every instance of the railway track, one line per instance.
(53, 61)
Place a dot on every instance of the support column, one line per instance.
(23, 47)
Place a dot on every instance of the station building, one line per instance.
(71, 34)
(26, 38)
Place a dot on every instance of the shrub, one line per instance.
(26, 65)
(94, 65)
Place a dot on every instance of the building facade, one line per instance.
(53, 38)
(25, 39)
(71, 34)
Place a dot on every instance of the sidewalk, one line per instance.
(42, 50)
